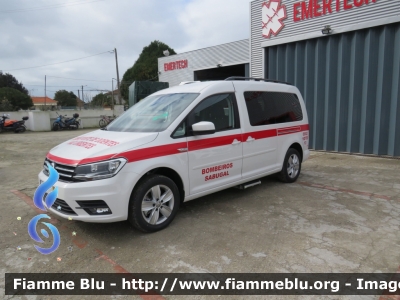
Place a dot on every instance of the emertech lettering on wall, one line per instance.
(179, 64)
(309, 9)
(216, 171)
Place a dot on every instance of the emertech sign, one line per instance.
(274, 12)
(179, 64)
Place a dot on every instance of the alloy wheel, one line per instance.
(157, 204)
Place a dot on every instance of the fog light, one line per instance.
(94, 207)
(99, 211)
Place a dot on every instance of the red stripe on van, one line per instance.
(263, 134)
(74, 162)
(305, 127)
(213, 142)
(289, 130)
(152, 152)
(164, 150)
(131, 156)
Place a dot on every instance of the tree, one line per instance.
(15, 99)
(7, 80)
(101, 100)
(65, 98)
(146, 67)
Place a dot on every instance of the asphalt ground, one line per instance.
(342, 215)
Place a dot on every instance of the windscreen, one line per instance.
(152, 114)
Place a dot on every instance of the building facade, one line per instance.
(343, 55)
(212, 63)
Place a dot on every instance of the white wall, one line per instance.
(42, 120)
(39, 121)
(17, 115)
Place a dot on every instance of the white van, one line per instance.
(180, 144)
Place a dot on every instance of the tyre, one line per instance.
(154, 203)
(102, 123)
(20, 129)
(291, 166)
(56, 127)
(76, 125)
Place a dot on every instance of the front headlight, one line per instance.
(100, 170)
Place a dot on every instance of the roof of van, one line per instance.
(197, 87)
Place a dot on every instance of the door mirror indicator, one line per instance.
(203, 127)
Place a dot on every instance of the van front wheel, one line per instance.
(291, 166)
(154, 203)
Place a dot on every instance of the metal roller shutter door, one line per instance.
(351, 85)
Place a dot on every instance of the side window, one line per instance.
(266, 108)
(219, 109)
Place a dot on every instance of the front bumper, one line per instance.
(115, 192)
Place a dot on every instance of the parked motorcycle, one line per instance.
(12, 125)
(62, 122)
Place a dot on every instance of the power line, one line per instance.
(94, 90)
(58, 62)
(51, 85)
(47, 6)
(79, 79)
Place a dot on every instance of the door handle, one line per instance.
(250, 139)
(235, 142)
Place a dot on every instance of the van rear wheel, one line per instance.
(154, 203)
(291, 166)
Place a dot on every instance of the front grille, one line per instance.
(62, 206)
(88, 204)
(66, 172)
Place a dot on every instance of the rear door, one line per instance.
(260, 142)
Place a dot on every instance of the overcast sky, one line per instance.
(42, 32)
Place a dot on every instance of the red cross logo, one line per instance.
(272, 15)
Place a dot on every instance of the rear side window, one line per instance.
(265, 108)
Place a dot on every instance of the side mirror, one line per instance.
(203, 128)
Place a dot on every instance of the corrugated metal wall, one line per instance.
(351, 86)
(206, 58)
(256, 52)
(366, 14)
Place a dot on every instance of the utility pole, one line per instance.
(79, 95)
(112, 95)
(82, 94)
(45, 93)
(116, 63)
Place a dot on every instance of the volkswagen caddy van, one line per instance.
(180, 144)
